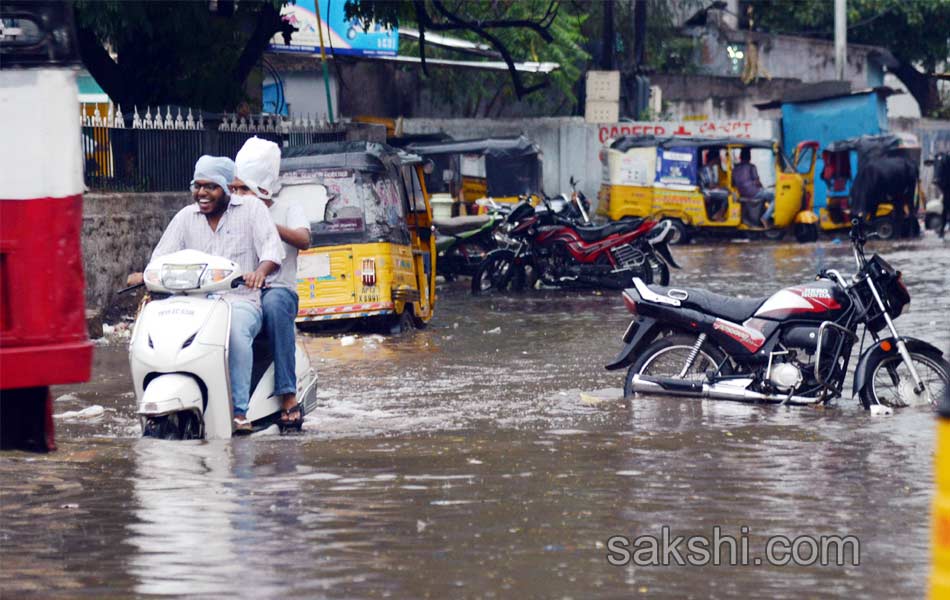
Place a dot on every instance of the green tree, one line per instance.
(522, 30)
(165, 52)
(917, 34)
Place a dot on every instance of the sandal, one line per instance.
(292, 417)
(242, 425)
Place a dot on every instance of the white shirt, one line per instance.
(246, 234)
(290, 214)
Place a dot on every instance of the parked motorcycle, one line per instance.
(541, 245)
(463, 242)
(179, 353)
(791, 347)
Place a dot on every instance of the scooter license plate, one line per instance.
(628, 334)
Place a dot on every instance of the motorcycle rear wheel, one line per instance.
(666, 357)
(889, 381)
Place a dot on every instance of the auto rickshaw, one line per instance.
(688, 181)
(842, 161)
(372, 251)
(504, 169)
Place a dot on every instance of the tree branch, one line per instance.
(520, 90)
(269, 22)
(100, 65)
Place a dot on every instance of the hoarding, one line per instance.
(340, 36)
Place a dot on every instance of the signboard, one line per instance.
(675, 165)
(339, 35)
(743, 128)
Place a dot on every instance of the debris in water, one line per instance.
(493, 331)
(347, 340)
(421, 526)
(67, 398)
(590, 400)
(90, 412)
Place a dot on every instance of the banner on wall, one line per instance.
(742, 128)
(340, 36)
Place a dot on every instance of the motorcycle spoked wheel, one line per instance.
(499, 272)
(890, 383)
(176, 426)
(666, 357)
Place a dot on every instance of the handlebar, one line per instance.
(131, 288)
(237, 282)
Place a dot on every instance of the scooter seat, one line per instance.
(730, 308)
(458, 225)
(592, 234)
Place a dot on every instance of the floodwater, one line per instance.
(488, 456)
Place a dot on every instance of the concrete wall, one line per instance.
(119, 232)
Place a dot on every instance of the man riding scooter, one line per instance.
(238, 229)
(257, 167)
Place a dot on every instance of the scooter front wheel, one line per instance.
(176, 426)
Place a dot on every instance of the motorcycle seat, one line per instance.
(730, 308)
(457, 225)
(592, 234)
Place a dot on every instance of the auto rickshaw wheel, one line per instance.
(806, 232)
(678, 232)
(885, 228)
(417, 322)
(774, 234)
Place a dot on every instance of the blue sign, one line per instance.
(676, 165)
(339, 35)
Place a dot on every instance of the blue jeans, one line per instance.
(280, 312)
(246, 319)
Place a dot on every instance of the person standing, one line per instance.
(256, 174)
(240, 230)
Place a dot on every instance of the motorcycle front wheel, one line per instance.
(497, 273)
(890, 383)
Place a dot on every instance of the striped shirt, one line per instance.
(246, 234)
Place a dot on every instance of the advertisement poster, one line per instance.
(675, 165)
(339, 35)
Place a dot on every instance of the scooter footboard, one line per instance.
(171, 393)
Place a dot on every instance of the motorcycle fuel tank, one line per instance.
(821, 300)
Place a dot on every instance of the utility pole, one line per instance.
(841, 38)
(609, 41)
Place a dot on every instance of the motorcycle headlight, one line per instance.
(182, 277)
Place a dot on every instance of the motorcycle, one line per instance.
(541, 245)
(463, 242)
(179, 353)
(792, 347)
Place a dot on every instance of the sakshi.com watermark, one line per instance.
(669, 550)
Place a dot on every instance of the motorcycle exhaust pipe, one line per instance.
(719, 391)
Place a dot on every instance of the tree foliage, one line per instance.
(916, 32)
(523, 30)
(166, 52)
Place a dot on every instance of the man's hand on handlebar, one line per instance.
(135, 279)
(255, 279)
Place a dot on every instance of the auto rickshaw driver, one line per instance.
(715, 194)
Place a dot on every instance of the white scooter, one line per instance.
(179, 353)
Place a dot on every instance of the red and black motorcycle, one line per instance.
(791, 347)
(542, 245)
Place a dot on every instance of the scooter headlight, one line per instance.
(182, 277)
(214, 276)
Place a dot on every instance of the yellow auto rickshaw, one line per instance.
(505, 169)
(841, 162)
(372, 251)
(688, 181)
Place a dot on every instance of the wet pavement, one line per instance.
(491, 456)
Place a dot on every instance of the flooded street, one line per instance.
(488, 456)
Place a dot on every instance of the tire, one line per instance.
(774, 234)
(496, 273)
(676, 347)
(417, 322)
(679, 234)
(400, 322)
(933, 222)
(880, 387)
(885, 227)
(806, 233)
(176, 426)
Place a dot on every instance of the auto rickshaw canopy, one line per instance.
(512, 165)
